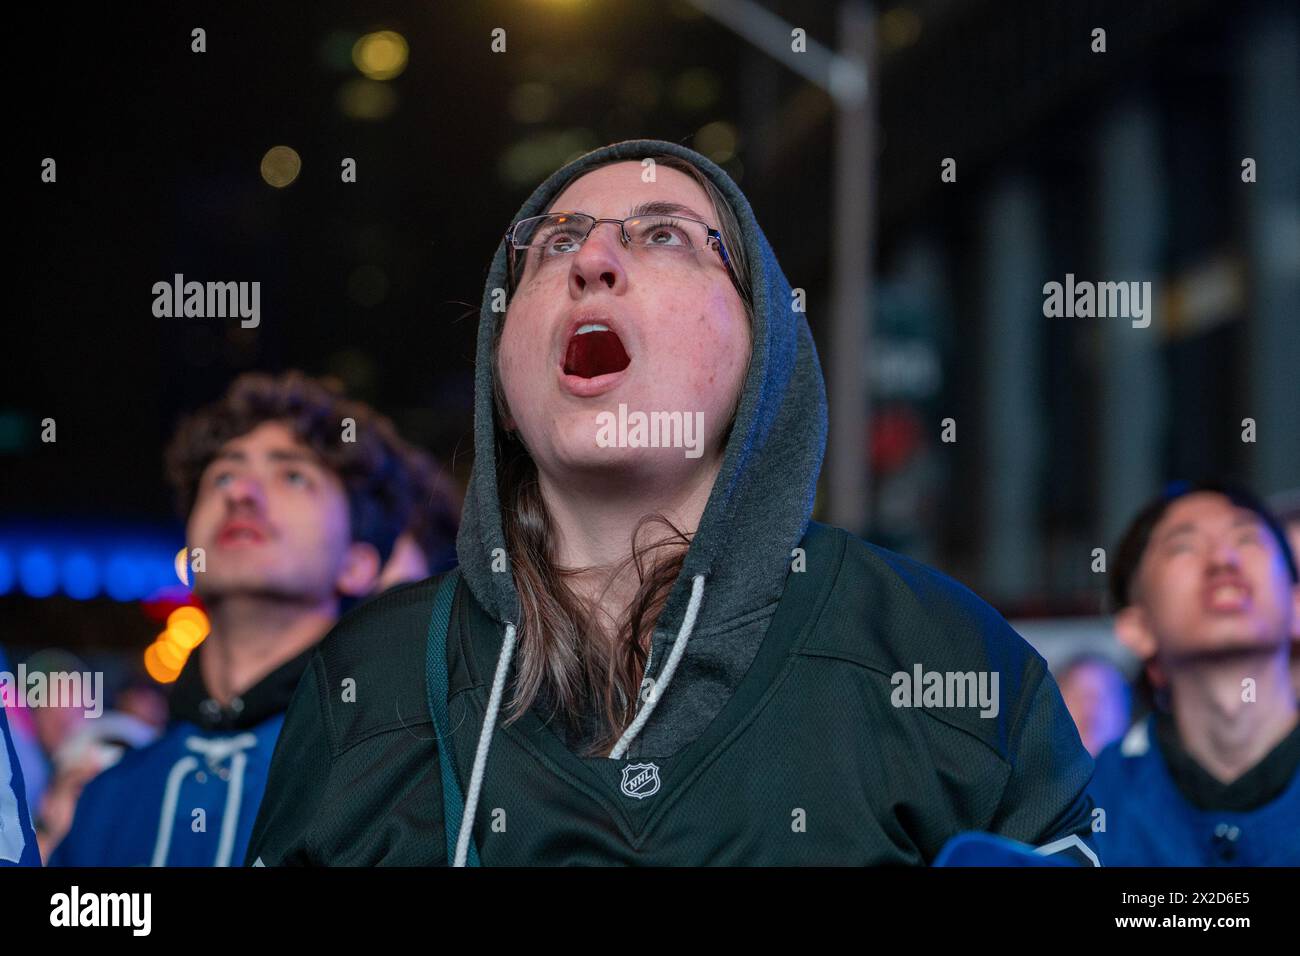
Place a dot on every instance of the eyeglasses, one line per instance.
(559, 234)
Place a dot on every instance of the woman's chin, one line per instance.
(622, 465)
(590, 457)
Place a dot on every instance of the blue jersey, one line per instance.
(187, 799)
(1148, 821)
(17, 839)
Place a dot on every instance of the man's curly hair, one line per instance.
(374, 469)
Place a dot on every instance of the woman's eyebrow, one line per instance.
(661, 207)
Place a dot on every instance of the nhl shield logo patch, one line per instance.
(640, 780)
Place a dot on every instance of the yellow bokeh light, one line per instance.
(184, 634)
(381, 55)
(157, 669)
(170, 654)
(188, 619)
(280, 166)
(899, 28)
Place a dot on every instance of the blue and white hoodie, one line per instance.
(190, 797)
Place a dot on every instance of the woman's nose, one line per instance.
(600, 260)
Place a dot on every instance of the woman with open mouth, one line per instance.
(647, 656)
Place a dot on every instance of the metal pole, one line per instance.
(848, 77)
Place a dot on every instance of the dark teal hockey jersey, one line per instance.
(828, 702)
(810, 761)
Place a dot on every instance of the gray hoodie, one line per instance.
(758, 510)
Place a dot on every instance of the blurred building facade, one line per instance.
(1172, 158)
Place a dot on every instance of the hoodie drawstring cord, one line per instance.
(484, 742)
(679, 648)
(214, 750)
(498, 689)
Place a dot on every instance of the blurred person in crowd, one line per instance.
(98, 745)
(1098, 698)
(295, 515)
(688, 656)
(54, 723)
(143, 699)
(1205, 591)
(428, 545)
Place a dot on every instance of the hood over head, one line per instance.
(762, 499)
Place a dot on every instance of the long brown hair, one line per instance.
(565, 659)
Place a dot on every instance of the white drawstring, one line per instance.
(484, 742)
(214, 750)
(659, 689)
(167, 818)
(498, 689)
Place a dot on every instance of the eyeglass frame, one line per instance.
(713, 233)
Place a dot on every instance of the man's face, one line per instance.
(678, 317)
(272, 520)
(1213, 580)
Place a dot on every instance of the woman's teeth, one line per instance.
(593, 327)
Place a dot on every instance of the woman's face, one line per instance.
(677, 318)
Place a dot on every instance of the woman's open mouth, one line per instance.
(595, 350)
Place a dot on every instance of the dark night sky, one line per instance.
(158, 151)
